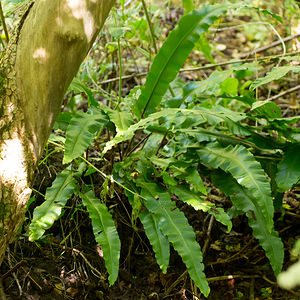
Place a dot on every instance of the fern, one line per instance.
(157, 239)
(105, 233)
(246, 170)
(56, 198)
(289, 169)
(79, 86)
(203, 115)
(189, 135)
(172, 56)
(187, 196)
(81, 132)
(244, 201)
(174, 225)
(122, 119)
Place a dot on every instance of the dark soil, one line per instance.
(67, 264)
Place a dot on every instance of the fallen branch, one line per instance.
(291, 90)
(229, 277)
(274, 44)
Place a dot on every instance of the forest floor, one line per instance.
(67, 263)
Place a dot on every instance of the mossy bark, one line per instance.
(43, 56)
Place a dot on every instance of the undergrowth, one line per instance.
(162, 140)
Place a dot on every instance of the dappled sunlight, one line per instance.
(10, 108)
(79, 11)
(13, 162)
(59, 21)
(41, 55)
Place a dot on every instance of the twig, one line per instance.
(95, 271)
(170, 288)
(231, 258)
(274, 44)
(210, 225)
(281, 41)
(2, 293)
(251, 296)
(292, 214)
(120, 65)
(268, 280)
(13, 273)
(3, 23)
(229, 277)
(90, 76)
(127, 3)
(291, 90)
(32, 279)
(137, 145)
(13, 269)
(208, 66)
(124, 77)
(211, 221)
(150, 26)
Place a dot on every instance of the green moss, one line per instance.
(3, 79)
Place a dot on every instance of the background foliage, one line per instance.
(162, 112)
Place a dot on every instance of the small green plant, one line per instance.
(163, 145)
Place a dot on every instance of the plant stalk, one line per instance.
(3, 23)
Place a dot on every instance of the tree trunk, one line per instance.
(43, 55)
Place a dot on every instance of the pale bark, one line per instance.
(43, 56)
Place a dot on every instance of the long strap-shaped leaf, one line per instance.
(174, 225)
(211, 116)
(81, 133)
(244, 201)
(158, 241)
(56, 198)
(246, 170)
(191, 198)
(105, 233)
(172, 56)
